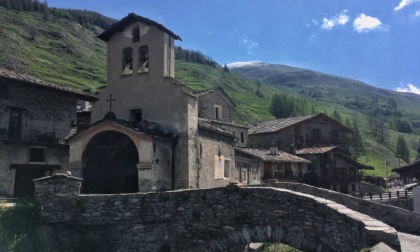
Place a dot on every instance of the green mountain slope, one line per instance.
(334, 89)
(66, 53)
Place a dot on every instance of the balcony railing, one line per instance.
(31, 133)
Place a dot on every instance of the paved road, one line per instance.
(409, 243)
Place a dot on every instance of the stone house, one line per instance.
(148, 131)
(274, 165)
(35, 119)
(317, 138)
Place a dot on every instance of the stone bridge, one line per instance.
(216, 219)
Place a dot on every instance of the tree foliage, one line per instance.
(194, 56)
(83, 17)
(401, 149)
(284, 105)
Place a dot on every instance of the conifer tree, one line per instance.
(401, 149)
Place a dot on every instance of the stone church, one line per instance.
(148, 131)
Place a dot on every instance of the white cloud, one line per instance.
(409, 88)
(404, 3)
(250, 45)
(315, 22)
(417, 13)
(340, 19)
(365, 23)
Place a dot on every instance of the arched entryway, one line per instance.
(110, 164)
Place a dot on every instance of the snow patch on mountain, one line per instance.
(246, 64)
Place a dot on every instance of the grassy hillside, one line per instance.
(66, 53)
(54, 50)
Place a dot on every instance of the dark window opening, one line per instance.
(136, 115)
(144, 59)
(242, 137)
(216, 113)
(36, 155)
(334, 136)
(4, 90)
(316, 135)
(136, 34)
(127, 61)
(15, 123)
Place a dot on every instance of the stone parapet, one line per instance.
(401, 219)
(209, 220)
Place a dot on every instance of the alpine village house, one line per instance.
(146, 131)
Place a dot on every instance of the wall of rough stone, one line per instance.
(282, 140)
(401, 219)
(207, 220)
(209, 145)
(59, 112)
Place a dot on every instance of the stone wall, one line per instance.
(282, 140)
(206, 220)
(401, 219)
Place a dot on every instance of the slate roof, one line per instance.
(266, 156)
(204, 121)
(413, 166)
(203, 93)
(144, 126)
(276, 125)
(314, 150)
(281, 124)
(130, 18)
(5, 73)
(354, 162)
(209, 125)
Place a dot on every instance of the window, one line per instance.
(254, 173)
(136, 34)
(353, 187)
(143, 59)
(334, 136)
(316, 135)
(4, 90)
(15, 123)
(136, 115)
(227, 169)
(244, 176)
(36, 155)
(219, 167)
(217, 112)
(242, 137)
(127, 61)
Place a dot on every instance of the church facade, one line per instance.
(148, 131)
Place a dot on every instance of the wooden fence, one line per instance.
(402, 194)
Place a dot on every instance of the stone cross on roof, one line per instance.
(110, 102)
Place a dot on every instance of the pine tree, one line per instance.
(401, 149)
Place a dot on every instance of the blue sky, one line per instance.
(375, 41)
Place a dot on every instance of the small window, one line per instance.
(353, 187)
(136, 34)
(226, 169)
(316, 135)
(217, 112)
(136, 115)
(244, 175)
(127, 61)
(255, 173)
(36, 155)
(143, 59)
(242, 137)
(4, 90)
(334, 136)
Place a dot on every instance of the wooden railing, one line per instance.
(385, 195)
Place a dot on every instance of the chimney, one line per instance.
(274, 151)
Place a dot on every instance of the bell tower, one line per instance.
(138, 48)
